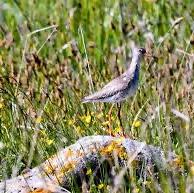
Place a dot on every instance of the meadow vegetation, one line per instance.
(52, 53)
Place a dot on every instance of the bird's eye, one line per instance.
(142, 50)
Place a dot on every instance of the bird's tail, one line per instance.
(85, 100)
(88, 99)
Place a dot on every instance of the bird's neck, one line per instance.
(134, 67)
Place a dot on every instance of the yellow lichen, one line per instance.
(49, 169)
(40, 190)
(177, 162)
(68, 167)
(120, 140)
(69, 153)
(116, 147)
(80, 153)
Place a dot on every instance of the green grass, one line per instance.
(49, 81)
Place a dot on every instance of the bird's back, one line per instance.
(110, 90)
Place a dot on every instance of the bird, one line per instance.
(121, 87)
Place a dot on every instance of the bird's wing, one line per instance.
(110, 89)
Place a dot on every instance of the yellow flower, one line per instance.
(186, 126)
(101, 186)
(79, 130)
(113, 118)
(70, 122)
(49, 141)
(89, 172)
(192, 170)
(38, 119)
(100, 115)
(137, 124)
(1, 103)
(105, 123)
(43, 133)
(117, 129)
(136, 190)
(88, 119)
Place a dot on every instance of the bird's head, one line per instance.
(138, 53)
(141, 51)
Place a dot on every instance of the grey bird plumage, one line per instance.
(123, 86)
